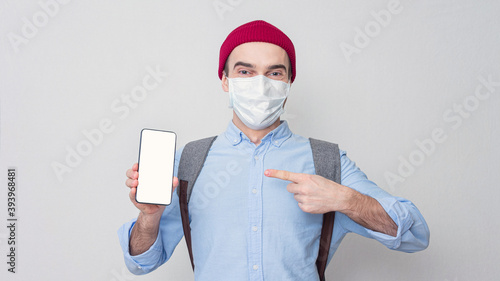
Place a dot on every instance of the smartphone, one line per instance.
(156, 167)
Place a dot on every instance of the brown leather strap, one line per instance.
(185, 217)
(324, 243)
(327, 163)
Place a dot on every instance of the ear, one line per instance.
(224, 82)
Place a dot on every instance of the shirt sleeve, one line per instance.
(413, 232)
(169, 235)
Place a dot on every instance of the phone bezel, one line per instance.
(139, 165)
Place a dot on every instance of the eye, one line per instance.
(244, 72)
(276, 73)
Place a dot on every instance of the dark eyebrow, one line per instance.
(245, 64)
(249, 65)
(277, 66)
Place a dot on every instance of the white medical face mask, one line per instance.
(258, 101)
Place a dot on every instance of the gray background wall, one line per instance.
(402, 94)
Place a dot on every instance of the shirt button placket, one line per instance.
(255, 216)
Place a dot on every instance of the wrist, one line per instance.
(148, 223)
(353, 200)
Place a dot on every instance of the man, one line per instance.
(256, 208)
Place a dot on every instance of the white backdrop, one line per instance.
(409, 88)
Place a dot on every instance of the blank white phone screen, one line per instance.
(156, 167)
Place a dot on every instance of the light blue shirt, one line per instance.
(246, 226)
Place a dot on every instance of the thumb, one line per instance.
(175, 183)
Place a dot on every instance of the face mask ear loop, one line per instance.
(289, 84)
(230, 93)
(227, 78)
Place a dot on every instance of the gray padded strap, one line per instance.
(326, 158)
(192, 158)
(327, 164)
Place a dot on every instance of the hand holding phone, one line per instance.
(156, 167)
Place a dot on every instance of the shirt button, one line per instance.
(275, 142)
(255, 267)
(256, 157)
(235, 141)
(254, 191)
(254, 228)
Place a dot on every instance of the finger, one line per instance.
(132, 174)
(175, 183)
(298, 197)
(131, 194)
(293, 188)
(284, 175)
(131, 183)
(139, 206)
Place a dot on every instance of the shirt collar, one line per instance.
(276, 136)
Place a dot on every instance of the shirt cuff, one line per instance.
(400, 215)
(145, 262)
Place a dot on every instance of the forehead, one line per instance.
(259, 54)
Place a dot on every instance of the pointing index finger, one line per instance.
(284, 175)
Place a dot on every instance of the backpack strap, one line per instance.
(326, 159)
(192, 158)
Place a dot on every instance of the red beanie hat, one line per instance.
(256, 31)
